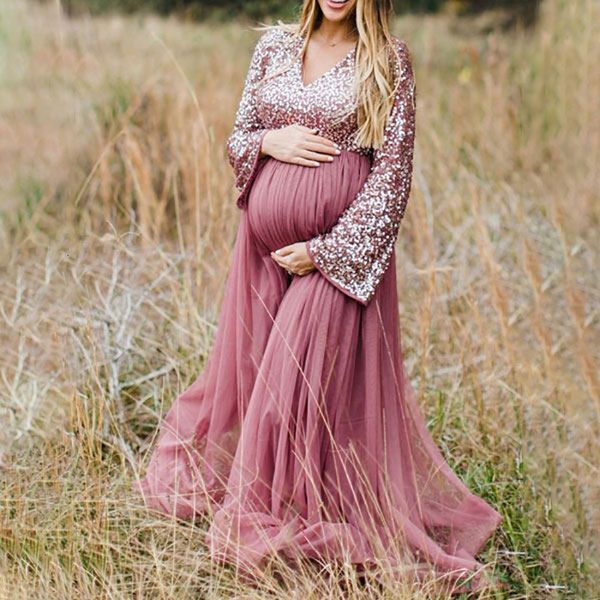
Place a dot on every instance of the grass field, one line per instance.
(117, 218)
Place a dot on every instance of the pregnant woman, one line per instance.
(302, 437)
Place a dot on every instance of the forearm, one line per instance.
(264, 145)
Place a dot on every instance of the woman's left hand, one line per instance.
(294, 259)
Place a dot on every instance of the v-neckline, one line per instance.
(339, 63)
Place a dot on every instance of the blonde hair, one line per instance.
(374, 67)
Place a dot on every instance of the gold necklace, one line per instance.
(333, 43)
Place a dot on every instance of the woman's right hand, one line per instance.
(299, 145)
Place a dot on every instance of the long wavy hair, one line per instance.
(374, 86)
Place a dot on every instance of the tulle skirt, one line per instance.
(302, 436)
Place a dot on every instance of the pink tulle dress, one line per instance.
(302, 436)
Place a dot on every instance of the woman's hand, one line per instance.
(294, 259)
(299, 145)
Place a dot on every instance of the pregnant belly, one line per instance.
(291, 203)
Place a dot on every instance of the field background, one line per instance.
(117, 218)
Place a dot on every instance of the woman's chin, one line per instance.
(335, 10)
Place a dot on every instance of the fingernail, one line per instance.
(337, 150)
(330, 158)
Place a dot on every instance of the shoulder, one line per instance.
(276, 36)
(403, 74)
(399, 44)
(402, 56)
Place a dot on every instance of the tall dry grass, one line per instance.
(117, 221)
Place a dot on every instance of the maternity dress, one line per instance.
(302, 433)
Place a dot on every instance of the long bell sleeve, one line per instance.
(245, 140)
(355, 253)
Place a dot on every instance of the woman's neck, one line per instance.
(335, 31)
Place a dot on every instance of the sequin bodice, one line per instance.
(356, 252)
(322, 104)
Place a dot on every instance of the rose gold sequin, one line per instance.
(355, 253)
